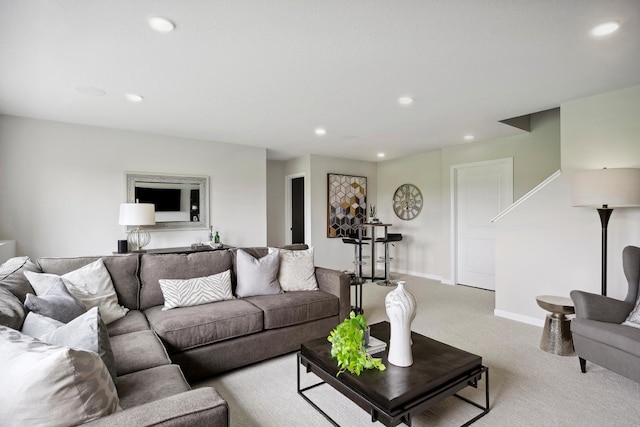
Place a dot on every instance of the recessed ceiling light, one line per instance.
(90, 90)
(469, 137)
(381, 155)
(320, 131)
(162, 25)
(605, 29)
(405, 100)
(134, 97)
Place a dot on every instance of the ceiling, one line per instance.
(267, 73)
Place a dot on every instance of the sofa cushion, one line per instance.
(187, 327)
(133, 321)
(619, 336)
(197, 291)
(292, 308)
(123, 270)
(154, 267)
(85, 332)
(257, 276)
(90, 284)
(55, 301)
(137, 351)
(11, 310)
(13, 279)
(138, 388)
(297, 270)
(43, 384)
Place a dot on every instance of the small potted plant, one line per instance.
(372, 214)
(348, 346)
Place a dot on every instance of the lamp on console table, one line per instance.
(606, 189)
(137, 215)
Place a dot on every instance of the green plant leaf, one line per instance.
(347, 346)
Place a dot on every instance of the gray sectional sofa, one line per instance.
(156, 351)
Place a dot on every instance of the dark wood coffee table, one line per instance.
(394, 395)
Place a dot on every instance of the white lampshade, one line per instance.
(137, 214)
(615, 188)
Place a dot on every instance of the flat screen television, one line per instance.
(165, 199)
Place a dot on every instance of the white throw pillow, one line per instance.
(257, 276)
(90, 284)
(297, 270)
(201, 290)
(48, 385)
(633, 319)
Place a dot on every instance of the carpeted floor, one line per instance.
(528, 387)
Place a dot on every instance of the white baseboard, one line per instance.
(519, 317)
(418, 274)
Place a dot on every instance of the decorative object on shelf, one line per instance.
(401, 310)
(372, 214)
(407, 202)
(137, 215)
(348, 346)
(606, 189)
(346, 203)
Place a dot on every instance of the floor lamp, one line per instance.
(606, 189)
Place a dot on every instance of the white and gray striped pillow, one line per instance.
(200, 290)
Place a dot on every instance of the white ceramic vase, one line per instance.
(401, 310)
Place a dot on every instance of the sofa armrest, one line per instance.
(193, 408)
(601, 308)
(336, 283)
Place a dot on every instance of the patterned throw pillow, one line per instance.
(201, 290)
(633, 319)
(49, 385)
(257, 276)
(12, 279)
(297, 270)
(56, 302)
(90, 284)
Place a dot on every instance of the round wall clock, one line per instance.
(407, 202)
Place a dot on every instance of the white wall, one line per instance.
(275, 203)
(61, 186)
(546, 246)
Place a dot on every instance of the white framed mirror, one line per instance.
(181, 201)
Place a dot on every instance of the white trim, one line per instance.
(519, 317)
(529, 194)
(418, 274)
(453, 191)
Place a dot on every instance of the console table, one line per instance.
(183, 249)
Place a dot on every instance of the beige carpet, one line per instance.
(528, 387)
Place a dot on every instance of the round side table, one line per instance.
(556, 335)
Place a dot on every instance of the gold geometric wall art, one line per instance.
(346, 204)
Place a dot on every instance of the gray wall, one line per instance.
(61, 186)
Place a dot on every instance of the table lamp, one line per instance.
(605, 189)
(137, 215)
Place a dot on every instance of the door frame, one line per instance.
(287, 209)
(508, 162)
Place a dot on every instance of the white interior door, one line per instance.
(481, 191)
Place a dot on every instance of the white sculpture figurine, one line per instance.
(401, 310)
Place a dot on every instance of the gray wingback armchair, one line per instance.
(598, 335)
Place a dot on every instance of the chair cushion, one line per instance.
(292, 308)
(133, 321)
(149, 385)
(187, 327)
(154, 267)
(13, 279)
(123, 270)
(137, 351)
(619, 336)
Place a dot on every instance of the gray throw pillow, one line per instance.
(257, 276)
(13, 279)
(56, 303)
(11, 310)
(85, 332)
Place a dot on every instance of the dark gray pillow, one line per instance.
(56, 303)
(85, 332)
(257, 276)
(13, 279)
(11, 310)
